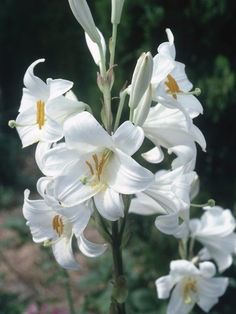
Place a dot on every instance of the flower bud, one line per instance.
(83, 15)
(116, 10)
(142, 110)
(141, 79)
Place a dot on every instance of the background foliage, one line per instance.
(203, 30)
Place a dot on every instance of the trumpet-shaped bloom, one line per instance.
(43, 109)
(95, 164)
(171, 86)
(55, 227)
(168, 197)
(168, 128)
(215, 230)
(191, 285)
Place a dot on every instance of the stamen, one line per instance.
(90, 167)
(40, 116)
(95, 158)
(189, 286)
(58, 225)
(173, 87)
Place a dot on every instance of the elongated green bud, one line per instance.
(116, 10)
(141, 79)
(83, 15)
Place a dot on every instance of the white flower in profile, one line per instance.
(215, 230)
(169, 198)
(56, 226)
(96, 164)
(189, 285)
(43, 108)
(168, 128)
(171, 86)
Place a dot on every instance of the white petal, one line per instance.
(51, 132)
(90, 249)
(94, 48)
(39, 218)
(164, 286)
(109, 204)
(145, 205)
(41, 149)
(54, 161)
(176, 304)
(125, 175)
(58, 87)
(209, 290)
(128, 138)
(78, 216)
(28, 100)
(168, 48)
(63, 254)
(155, 155)
(69, 187)
(207, 269)
(85, 134)
(34, 84)
(191, 104)
(168, 224)
(62, 108)
(162, 66)
(182, 268)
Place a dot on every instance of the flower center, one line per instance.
(173, 87)
(96, 167)
(57, 225)
(189, 288)
(40, 115)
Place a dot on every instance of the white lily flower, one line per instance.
(168, 128)
(43, 109)
(167, 197)
(171, 86)
(191, 285)
(56, 226)
(215, 230)
(92, 163)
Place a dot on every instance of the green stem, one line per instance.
(69, 293)
(113, 45)
(117, 263)
(120, 109)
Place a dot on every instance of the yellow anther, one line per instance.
(58, 225)
(173, 87)
(96, 167)
(40, 116)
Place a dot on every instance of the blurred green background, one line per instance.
(204, 33)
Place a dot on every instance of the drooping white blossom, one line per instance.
(168, 128)
(169, 198)
(215, 230)
(92, 163)
(56, 226)
(187, 285)
(43, 108)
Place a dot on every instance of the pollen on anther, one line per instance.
(58, 225)
(173, 87)
(40, 115)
